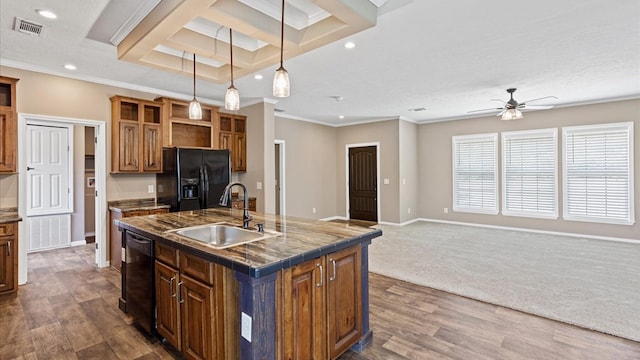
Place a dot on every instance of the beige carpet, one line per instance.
(591, 283)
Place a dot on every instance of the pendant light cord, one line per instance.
(282, 35)
(194, 75)
(231, 51)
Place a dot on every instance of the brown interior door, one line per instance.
(363, 187)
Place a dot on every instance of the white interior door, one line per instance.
(49, 195)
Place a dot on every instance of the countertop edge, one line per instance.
(261, 271)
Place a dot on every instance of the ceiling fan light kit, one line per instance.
(281, 85)
(232, 97)
(511, 114)
(195, 110)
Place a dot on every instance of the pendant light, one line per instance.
(281, 79)
(195, 110)
(232, 98)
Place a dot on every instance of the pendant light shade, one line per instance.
(195, 110)
(512, 114)
(281, 84)
(232, 97)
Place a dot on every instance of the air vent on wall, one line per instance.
(28, 27)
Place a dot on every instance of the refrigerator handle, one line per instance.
(206, 185)
(203, 192)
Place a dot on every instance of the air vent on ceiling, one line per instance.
(28, 27)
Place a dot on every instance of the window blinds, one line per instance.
(529, 180)
(474, 173)
(598, 182)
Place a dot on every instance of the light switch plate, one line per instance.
(259, 185)
(386, 181)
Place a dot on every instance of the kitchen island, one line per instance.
(301, 292)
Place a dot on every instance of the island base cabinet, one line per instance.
(195, 302)
(322, 306)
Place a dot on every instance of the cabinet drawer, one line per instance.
(158, 211)
(127, 214)
(196, 267)
(6, 229)
(166, 254)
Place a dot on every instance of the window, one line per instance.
(598, 173)
(475, 186)
(529, 173)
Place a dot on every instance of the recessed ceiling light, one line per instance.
(349, 45)
(341, 116)
(257, 76)
(70, 67)
(47, 14)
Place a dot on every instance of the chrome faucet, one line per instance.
(224, 201)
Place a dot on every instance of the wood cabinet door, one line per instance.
(151, 148)
(7, 259)
(167, 307)
(129, 147)
(344, 299)
(198, 320)
(304, 311)
(8, 141)
(239, 154)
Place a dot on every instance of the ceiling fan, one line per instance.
(511, 109)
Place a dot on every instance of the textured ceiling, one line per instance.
(449, 57)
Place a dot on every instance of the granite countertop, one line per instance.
(9, 215)
(301, 239)
(135, 205)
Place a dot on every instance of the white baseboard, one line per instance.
(79, 243)
(584, 236)
(334, 218)
(400, 224)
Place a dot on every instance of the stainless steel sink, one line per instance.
(224, 235)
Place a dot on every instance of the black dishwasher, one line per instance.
(139, 280)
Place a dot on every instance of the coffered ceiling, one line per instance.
(176, 27)
(419, 60)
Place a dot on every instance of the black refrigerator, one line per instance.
(193, 179)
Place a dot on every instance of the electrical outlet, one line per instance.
(446, 210)
(386, 181)
(150, 189)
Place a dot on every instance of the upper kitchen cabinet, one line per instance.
(8, 125)
(180, 131)
(136, 133)
(232, 135)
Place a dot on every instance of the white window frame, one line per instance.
(529, 135)
(625, 127)
(455, 140)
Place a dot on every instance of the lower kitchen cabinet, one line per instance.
(8, 258)
(187, 309)
(322, 306)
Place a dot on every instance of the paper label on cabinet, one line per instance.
(246, 327)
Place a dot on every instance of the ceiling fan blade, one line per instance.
(537, 107)
(538, 99)
(499, 100)
(501, 112)
(484, 110)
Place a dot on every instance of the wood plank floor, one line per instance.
(69, 311)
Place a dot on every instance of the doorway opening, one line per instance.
(98, 182)
(363, 185)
